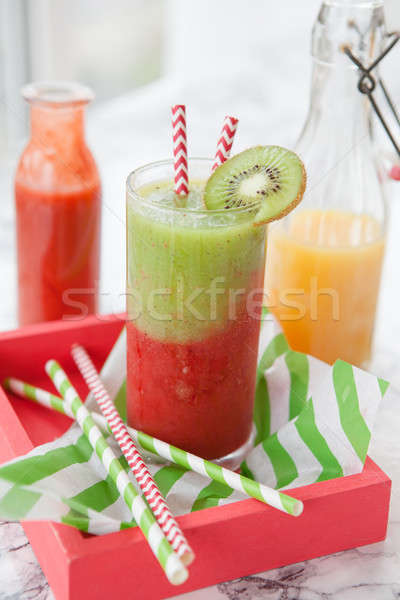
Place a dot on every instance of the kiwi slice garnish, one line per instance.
(268, 177)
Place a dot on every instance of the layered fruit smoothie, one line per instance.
(194, 288)
(195, 271)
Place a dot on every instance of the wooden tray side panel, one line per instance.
(242, 544)
(23, 425)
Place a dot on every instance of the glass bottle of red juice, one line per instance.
(58, 208)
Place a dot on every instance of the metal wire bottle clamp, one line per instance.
(367, 85)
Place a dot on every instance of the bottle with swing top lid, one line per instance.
(324, 260)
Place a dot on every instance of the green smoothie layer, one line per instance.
(189, 270)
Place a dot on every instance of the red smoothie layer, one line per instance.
(198, 395)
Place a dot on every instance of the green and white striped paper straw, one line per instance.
(238, 482)
(173, 454)
(26, 390)
(49, 400)
(168, 559)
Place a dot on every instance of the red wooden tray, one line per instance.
(230, 541)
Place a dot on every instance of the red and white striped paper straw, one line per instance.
(225, 141)
(181, 174)
(147, 484)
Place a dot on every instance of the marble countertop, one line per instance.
(368, 573)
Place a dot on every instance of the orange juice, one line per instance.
(322, 282)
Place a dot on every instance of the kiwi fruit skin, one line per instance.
(222, 175)
(260, 221)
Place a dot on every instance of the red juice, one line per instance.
(58, 207)
(58, 253)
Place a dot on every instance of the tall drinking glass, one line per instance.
(194, 297)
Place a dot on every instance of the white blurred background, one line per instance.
(250, 59)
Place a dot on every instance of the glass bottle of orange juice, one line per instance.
(324, 260)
